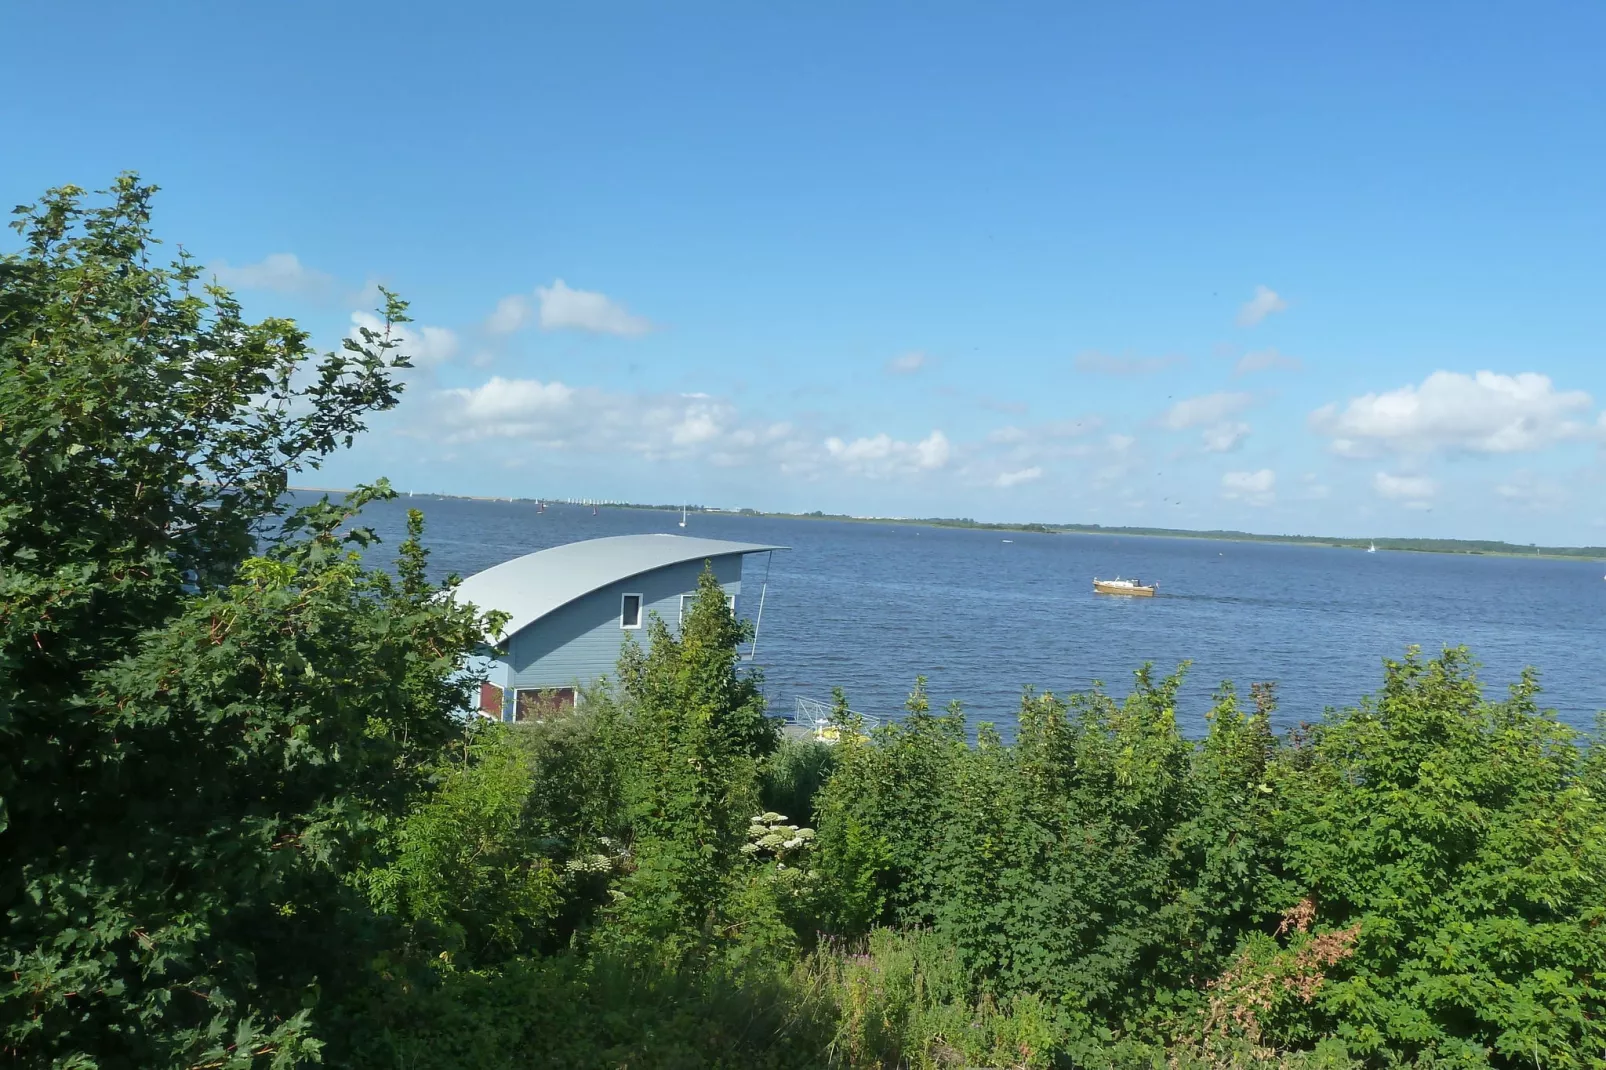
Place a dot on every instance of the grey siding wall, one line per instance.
(580, 641)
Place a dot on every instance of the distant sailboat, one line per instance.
(593, 510)
(540, 507)
(1372, 549)
(682, 516)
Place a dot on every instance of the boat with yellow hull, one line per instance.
(1131, 588)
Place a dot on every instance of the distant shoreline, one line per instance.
(1468, 547)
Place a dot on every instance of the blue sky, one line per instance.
(1290, 268)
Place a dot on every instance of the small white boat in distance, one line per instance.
(683, 516)
(1136, 588)
(1372, 549)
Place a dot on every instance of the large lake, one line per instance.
(868, 607)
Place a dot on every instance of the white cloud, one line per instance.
(1207, 409)
(1414, 492)
(1265, 360)
(933, 450)
(882, 456)
(278, 272)
(1530, 491)
(1312, 488)
(1106, 364)
(425, 345)
(907, 364)
(1045, 432)
(1013, 455)
(560, 307)
(1114, 461)
(1015, 479)
(1225, 437)
(511, 313)
(528, 417)
(1482, 413)
(1264, 303)
(1252, 488)
(554, 415)
(586, 310)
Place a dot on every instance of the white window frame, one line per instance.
(730, 600)
(641, 611)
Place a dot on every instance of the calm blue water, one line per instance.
(868, 607)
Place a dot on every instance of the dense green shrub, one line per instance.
(464, 871)
(572, 1010)
(1101, 857)
(1418, 878)
(1467, 840)
(791, 778)
(206, 715)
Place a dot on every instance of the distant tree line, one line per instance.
(1437, 546)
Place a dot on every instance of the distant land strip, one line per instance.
(1479, 547)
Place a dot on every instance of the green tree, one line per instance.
(206, 709)
(464, 869)
(1465, 839)
(698, 730)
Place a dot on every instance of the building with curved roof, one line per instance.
(570, 608)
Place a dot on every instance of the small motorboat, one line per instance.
(1135, 588)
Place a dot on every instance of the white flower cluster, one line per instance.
(769, 834)
(589, 864)
(599, 863)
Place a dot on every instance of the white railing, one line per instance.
(815, 716)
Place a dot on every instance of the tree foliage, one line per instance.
(199, 732)
(1467, 840)
(697, 731)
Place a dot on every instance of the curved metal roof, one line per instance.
(529, 587)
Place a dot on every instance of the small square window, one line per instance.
(630, 611)
(689, 600)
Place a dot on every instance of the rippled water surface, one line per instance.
(981, 614)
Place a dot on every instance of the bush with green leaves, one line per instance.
(1101, 857)
(1466, 839)
(208, 711)
(464, 870)
(695, 734)
(790, 779)
(1415, 879)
